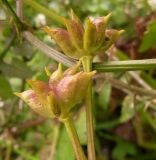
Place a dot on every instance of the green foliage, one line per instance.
(122, 149)
(104, 96)
(81, 127)
(149, 39)
(117, 108)
(64, 148)
(5, 91)
(17, 68)
(128, 109)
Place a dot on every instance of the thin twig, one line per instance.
(19, 9)
(50, 52)
(139, 80)
(135, 75)
(121, 85)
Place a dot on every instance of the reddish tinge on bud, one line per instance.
(62, 93)
(64, 40)
(79, 40)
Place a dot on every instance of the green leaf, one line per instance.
(5, 89)
(122, 149)
(24, 49)
(149, 39)
(104, 95)
(81, 127)
(17, 68)
(64, 147)
(128, 109)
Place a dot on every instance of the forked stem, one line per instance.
(87, 66)
(74, 139)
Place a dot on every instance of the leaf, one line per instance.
(5, 89)
(149, 39)
(104, 95)
(64, 147)
(122, 149)
(128, 109)
(24, 49)
(81, 127)
(16, 69)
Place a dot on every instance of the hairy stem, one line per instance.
(87, 66)
(74, 139)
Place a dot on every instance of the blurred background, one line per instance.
(125, 106)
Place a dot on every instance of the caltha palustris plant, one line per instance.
(65, 90)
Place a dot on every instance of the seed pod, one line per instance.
(89, 36)
(71, 89)
(100, 24)
(75, 31)
(33, 101)
(113, 34)
(111, 37)
(63, 39)
(60, 95)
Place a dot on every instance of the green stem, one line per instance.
(48, 12)
(87, 66)
(19, 24)
(112, 66)
(128, 65)
(8, 150)
(74, 139)
(138, 129)
(148, 119)
(16, 18)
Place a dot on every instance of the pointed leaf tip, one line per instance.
(106, 18)
(60, 67)
(17, 94)
(121, 32)
(48, 73)
(46, 29)
(29, 81)
(93, 73)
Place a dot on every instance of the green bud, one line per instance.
(89, 36)
(56, 76)
(113, 34)
(74, 17)
(62, 93)
(72, 70)
(77, 42)
(100, 24)
(47, 71)
(94, 34)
